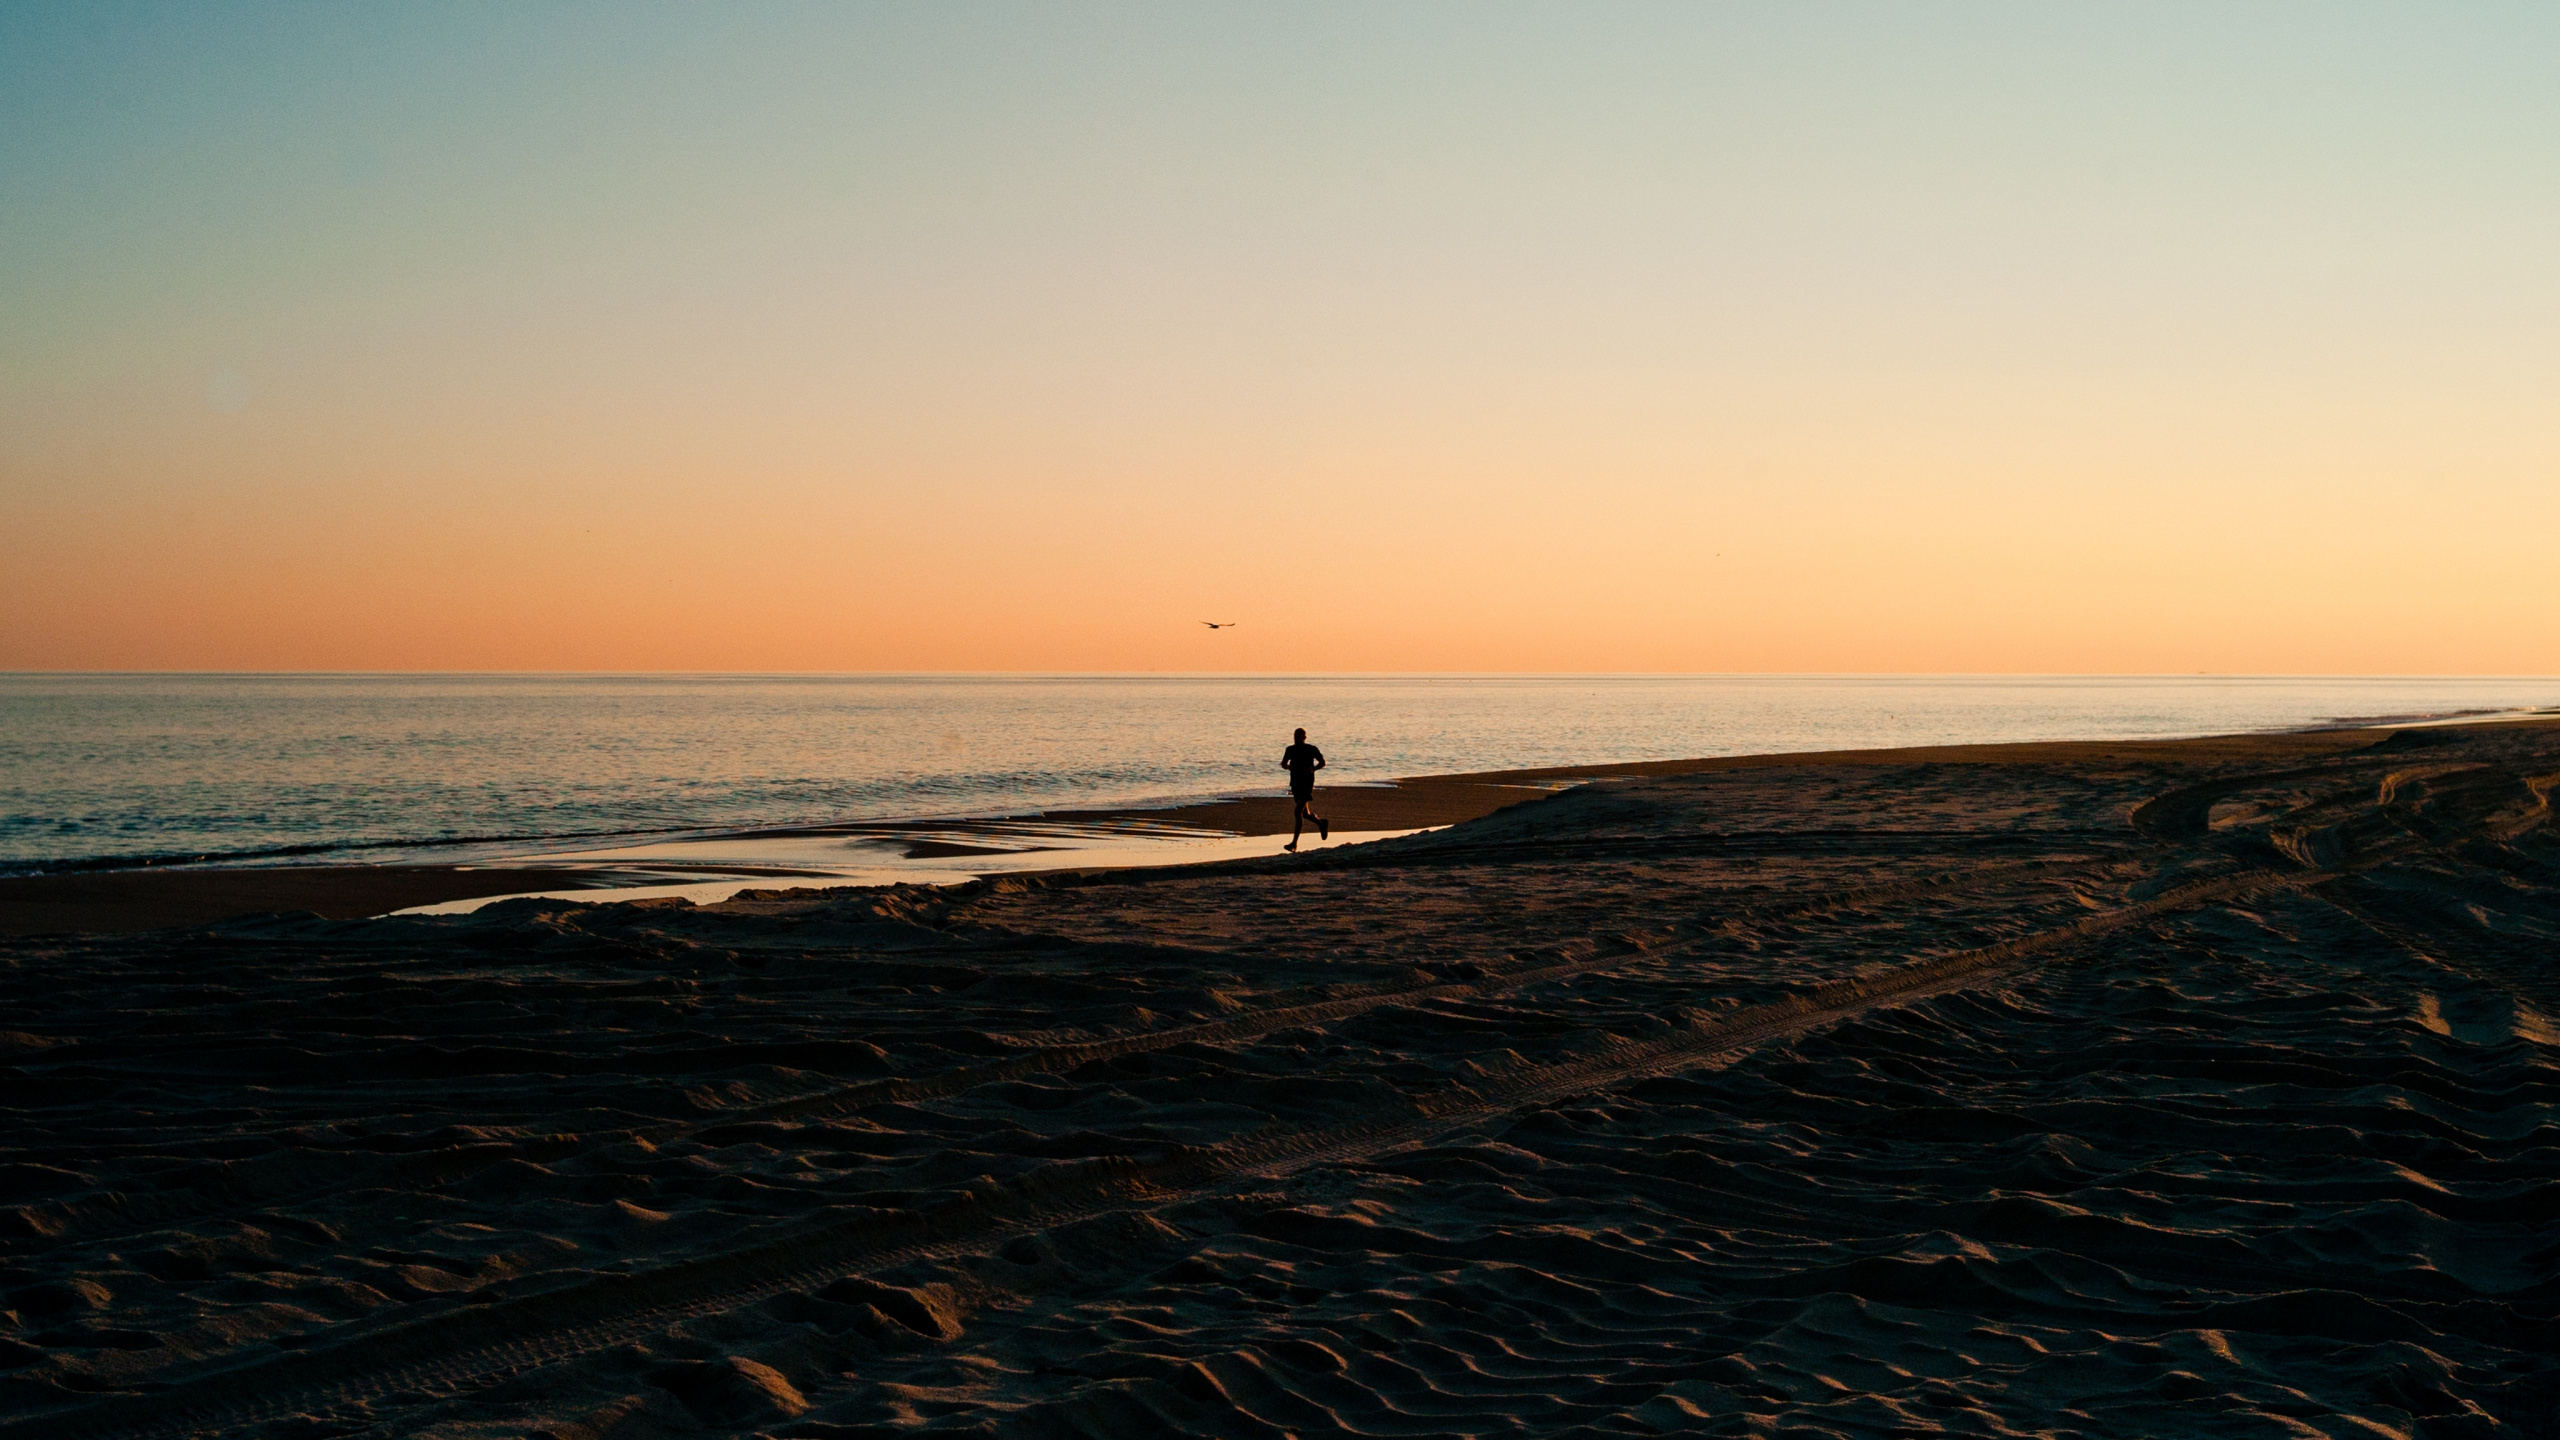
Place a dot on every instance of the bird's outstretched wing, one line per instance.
(1218, 624)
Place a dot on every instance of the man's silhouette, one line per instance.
(1302, 761)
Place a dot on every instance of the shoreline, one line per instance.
(121, 901)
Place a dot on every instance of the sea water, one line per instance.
(113, 769)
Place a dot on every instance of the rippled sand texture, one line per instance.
(2101, 1090)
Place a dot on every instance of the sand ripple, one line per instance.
(2108, 1093)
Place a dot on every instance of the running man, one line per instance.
(1302, 761)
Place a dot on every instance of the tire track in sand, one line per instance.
(140, 1214)
(461, 1351)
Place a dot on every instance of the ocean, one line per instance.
(107, 770)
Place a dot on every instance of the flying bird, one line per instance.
(1217, 624)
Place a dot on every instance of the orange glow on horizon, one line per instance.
(1679, 343)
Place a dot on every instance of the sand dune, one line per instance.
(2193, 1089)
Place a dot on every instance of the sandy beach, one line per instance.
(2142, 1089)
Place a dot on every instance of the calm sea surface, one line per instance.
(102, 768)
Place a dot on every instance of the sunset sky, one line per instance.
(1829, 337)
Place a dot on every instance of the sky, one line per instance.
(2154, 338)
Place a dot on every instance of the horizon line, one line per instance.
(1322, 674)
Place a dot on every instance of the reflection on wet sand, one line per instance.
(708, 870)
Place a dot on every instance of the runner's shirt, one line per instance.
(1302, 761)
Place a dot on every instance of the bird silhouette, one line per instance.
(1217, 624)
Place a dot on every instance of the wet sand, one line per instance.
(129, 900)
(2161, 1089)
(124, 900)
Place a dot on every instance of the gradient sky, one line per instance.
(1804, 337)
